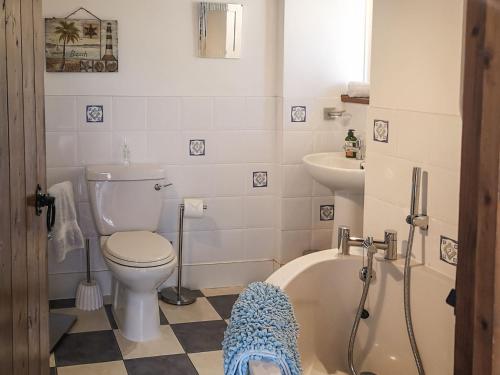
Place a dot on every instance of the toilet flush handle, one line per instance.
(158, 187)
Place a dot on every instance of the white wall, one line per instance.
(163, 96)
(324, 47)
(158, 52)
(415, 85)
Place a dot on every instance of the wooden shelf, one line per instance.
(348, 99)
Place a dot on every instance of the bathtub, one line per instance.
(325, 288)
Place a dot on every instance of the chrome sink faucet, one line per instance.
(389, 244)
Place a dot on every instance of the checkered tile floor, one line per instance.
(190, 341)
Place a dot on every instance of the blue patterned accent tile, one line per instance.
(197, 147)
(326, 212)
(381, 131)
(259, 179)
(299, 113)
(95, 113)
(449, 250)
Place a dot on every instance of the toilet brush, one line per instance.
(88, 294)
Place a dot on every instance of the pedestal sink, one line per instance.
(346, 178)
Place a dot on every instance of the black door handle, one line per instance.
(45, 200)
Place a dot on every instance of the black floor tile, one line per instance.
(223, 304)
(163, 318)
(61, 303)
(200, 336)
(87, 347)
(178, 364)
(111, 318)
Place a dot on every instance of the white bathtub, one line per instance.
(325, 288)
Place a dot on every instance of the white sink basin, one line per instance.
(335, 171)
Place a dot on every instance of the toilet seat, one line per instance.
(138, 249)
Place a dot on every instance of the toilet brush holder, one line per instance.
(88, 294)
(177, 295)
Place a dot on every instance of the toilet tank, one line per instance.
(124, 198)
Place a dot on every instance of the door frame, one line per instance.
(478, 271)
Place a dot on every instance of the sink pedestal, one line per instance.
(348, 211)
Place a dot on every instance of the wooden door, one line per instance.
(24, 335)
(477, 331)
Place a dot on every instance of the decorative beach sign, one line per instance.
(78, 45)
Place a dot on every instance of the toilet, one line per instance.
(126, 204)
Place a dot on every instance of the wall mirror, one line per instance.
(220, 30)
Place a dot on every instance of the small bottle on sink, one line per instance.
(350, 145)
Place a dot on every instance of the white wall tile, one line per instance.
(394, 118)
(320, 190)
(137, 144)
(311, 114)
(436, 230)
(259, 147)
(260, 212)
(196, 113)
(443, 194)
(81, 113)
(164, 147)
(229, 113)
(230, 147)
(61, 149)
(227, 212)
(296, 145)
(296, 213)
(317, 202)
(86, 220)
(261, 113)
(321, 239)
(211, 147)
(191, 181)
(329, 141)
(60, 113)
(94, 148)
(163, 113)
(75, 175)
(229, 180)
(97, 262)
(272, 179)
(293, 244)
(74, 261)
(221, 214)
(213, 246)
(297, 182)
(129, 113)
(259, 243)
(169, 222)
(388, 178)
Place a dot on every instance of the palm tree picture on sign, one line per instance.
(79, 45)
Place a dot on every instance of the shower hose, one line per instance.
(407, 308)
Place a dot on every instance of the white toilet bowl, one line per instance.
(140, 262)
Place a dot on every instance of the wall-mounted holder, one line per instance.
(333, 113)
(178, 295)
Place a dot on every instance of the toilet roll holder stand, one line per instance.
(177, 295)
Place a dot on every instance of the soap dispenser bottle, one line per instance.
(350, 145)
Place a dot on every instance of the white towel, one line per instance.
(66, 235)
(358, 89)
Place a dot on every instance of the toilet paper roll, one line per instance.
(193, 208)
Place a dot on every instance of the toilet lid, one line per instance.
(139, 247)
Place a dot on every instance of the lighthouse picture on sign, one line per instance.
(77, 45)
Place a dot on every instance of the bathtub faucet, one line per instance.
(389, 244)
